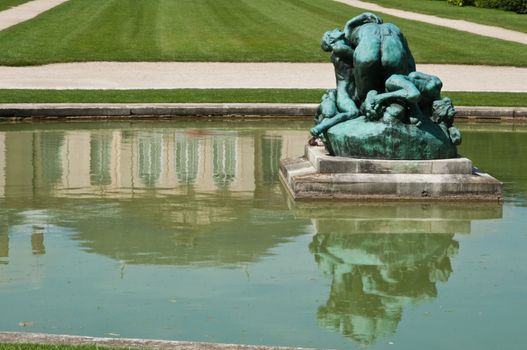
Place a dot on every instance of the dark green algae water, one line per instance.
(181, 230)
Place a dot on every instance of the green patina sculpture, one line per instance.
(381, 107)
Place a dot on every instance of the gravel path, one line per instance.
(465, 26)
(165, 75)
(25, 12)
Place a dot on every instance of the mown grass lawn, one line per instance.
(493, 17)
(221, 30)
(54, 347)
(5, 4)
(228, 96)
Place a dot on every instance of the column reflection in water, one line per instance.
(224, 159)
(4, 247)
(150, 161)
(37, 240)
(100, 158)
(383, 258)
(272, 153)
(187, 158)
(47, 160)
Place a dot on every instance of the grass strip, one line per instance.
(497, 99)
(162, 96)
(502, 99)
(494, 17)
(221, 30)
(4, 346)
(6, 4)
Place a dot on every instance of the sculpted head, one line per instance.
(330, 94)
(443, 111)
(331, 37)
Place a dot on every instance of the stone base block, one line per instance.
(326, 164)
(317, 175)
(378, 140)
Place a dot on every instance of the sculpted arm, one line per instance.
(359, 20)
(430, 84)
(399, 89)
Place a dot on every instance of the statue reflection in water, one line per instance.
(384, 259)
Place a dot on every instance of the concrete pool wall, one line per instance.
(116, 110)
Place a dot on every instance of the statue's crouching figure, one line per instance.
(376, 80)
(337, 105)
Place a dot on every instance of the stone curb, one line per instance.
(156, 110)
(54, 339)
(109, 110)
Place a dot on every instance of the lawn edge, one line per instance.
(130, 343)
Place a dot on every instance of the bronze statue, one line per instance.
(381, 107)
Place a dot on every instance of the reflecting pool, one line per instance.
(182, 230)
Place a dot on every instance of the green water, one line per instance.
(181, 230)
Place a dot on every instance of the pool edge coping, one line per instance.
(134, 343)
(174, 110)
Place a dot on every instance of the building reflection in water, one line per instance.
(381, 258)
(195, 191)
(114, 163)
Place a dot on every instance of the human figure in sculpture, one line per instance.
(364, 55)
(381, 105)
(443, 113)
(380, 50)
(340, 107)
(410, 99)
(342, 58)
(414, 92)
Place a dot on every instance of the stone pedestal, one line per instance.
(317, 175)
